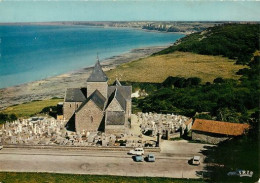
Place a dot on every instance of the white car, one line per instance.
(196, 160)
(137, 151)
(150, 158)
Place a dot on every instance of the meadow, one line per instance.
(155, 69)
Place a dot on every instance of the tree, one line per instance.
(218, 80)
(12, 117)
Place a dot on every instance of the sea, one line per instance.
(34, 52)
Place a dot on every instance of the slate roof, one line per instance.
(97, 98)
(124, 90)
(121, 100)
(119, 97)
(219, 127)
(75, 95)
(115, 118)
(97, 74)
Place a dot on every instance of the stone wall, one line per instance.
(115, 129)
(100, 86)
(208, 137)
(69, 109)
(89, 118)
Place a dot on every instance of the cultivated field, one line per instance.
(156, 69)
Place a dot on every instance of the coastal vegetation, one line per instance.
(12, 177)
(235, 41)
(223, 98)
(156, 69)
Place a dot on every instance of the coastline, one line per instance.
(90, 25)
(56, 86)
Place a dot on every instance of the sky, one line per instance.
(128, 10)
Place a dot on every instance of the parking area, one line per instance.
(96, 162)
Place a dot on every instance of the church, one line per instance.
(98, 107)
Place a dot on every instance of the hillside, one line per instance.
(156, 69)
(235, 41)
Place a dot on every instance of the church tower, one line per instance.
(97, 81)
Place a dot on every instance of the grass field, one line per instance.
(183, 64)
(66, 178)
(30, 108)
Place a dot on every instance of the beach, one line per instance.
(56, 86)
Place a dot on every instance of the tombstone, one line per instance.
(9, 133)
(40, 131)
(105, 141)
(34, 130)
(91, 138)
(48, 131)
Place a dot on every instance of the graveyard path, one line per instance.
(95, 162)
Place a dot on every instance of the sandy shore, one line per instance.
(56, 86)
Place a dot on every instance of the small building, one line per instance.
(214, 132)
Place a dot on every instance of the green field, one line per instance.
(30, 108)
(67, 178)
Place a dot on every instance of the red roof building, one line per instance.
(215, 131)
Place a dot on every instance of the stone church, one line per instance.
(98, 107)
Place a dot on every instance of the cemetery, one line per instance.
(146, 131)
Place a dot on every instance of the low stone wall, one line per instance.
(111, 148)
(209, 138)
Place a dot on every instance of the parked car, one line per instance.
(137, 151)
(196, 160)
(139, 158)
(150, 158)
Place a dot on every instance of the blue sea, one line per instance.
(30, 53)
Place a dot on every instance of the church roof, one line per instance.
(124, 90)
(97, 74)
(97, 98)
(119, 97)
(75, 95)
(121, 100)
